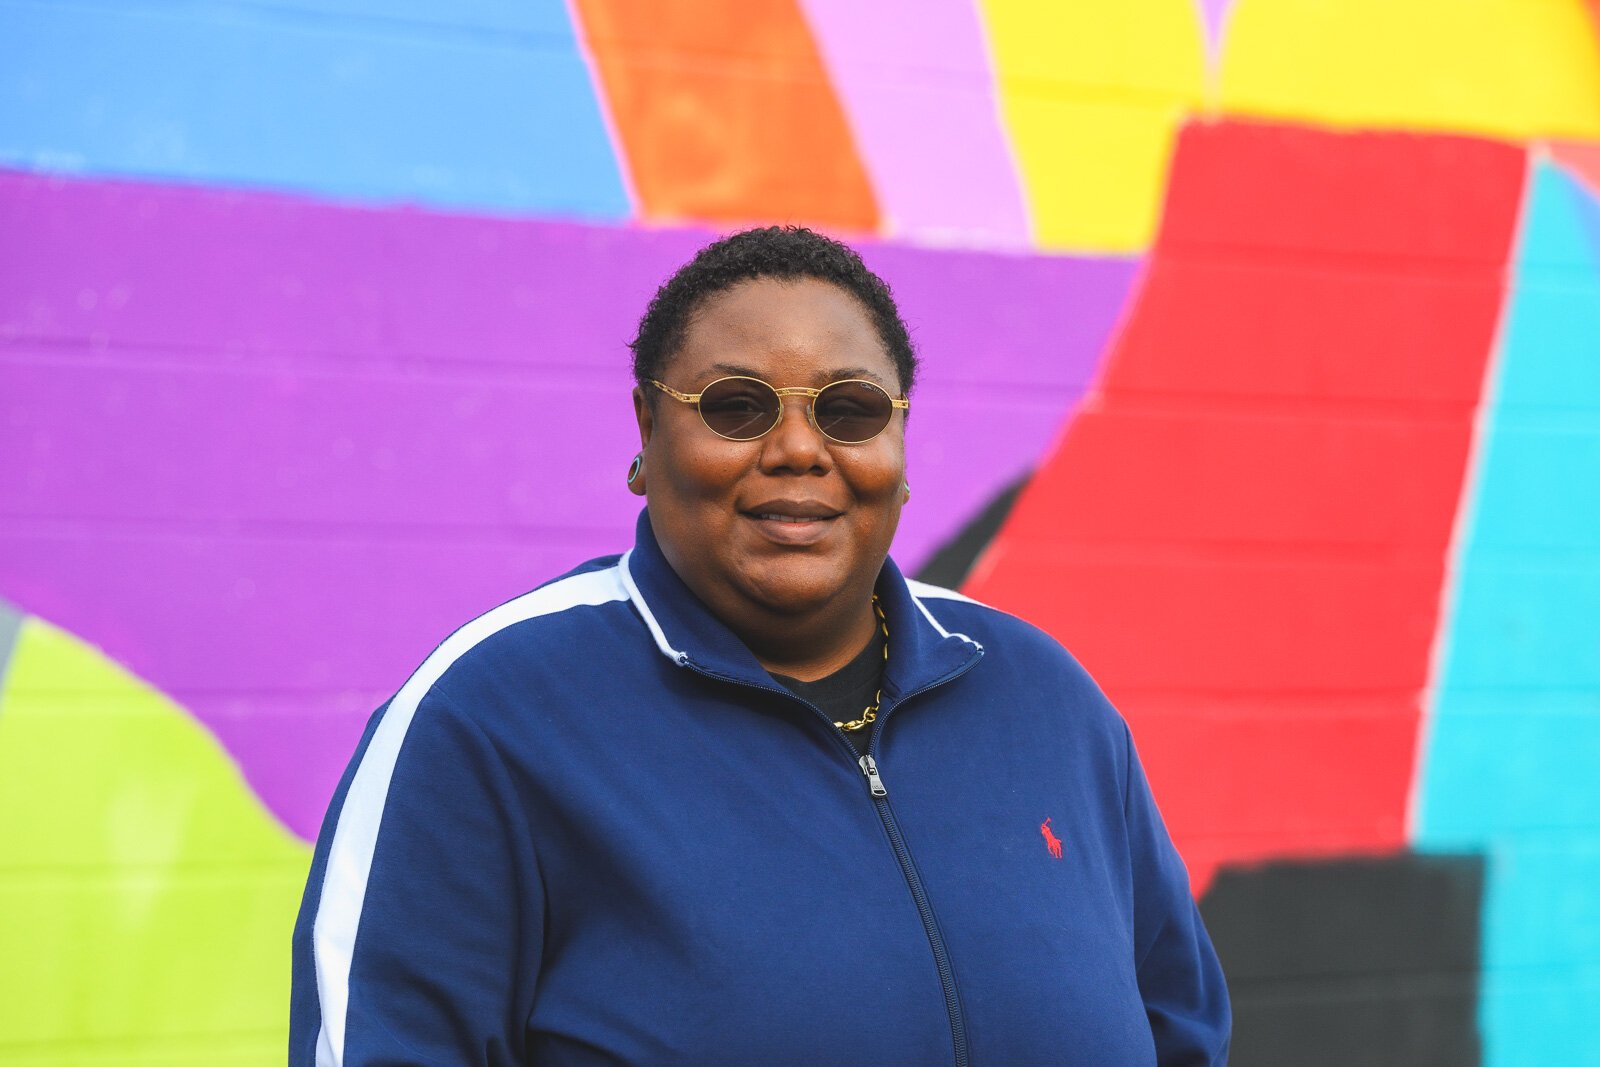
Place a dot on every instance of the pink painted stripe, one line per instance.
(915, 80)
(1214, 17)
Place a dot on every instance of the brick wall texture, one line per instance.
(1262, 368)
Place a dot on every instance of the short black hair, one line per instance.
(785, 252)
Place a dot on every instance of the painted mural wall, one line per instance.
(1262, 348)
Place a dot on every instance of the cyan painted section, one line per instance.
(1540, 991)
(1515, 733)
(1555, 311)
(492, 109)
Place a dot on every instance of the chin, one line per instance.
(796, 593)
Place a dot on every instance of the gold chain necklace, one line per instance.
(870, 716)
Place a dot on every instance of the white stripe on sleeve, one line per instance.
(355, 836)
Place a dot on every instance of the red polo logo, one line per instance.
(1051, 841)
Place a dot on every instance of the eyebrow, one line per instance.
(839, 375)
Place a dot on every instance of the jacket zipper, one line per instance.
(930, 925)
(941, 959)
(880, 800)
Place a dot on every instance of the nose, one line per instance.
(795, 443)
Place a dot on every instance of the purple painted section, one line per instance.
(1214, 16)
(266, 453)
(914, 78)
(1009, 345)
(239, 275)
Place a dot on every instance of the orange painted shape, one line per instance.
(726, 113)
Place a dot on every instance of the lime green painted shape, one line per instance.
(210, 1052)
(146, 895)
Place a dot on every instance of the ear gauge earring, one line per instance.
(636, 475)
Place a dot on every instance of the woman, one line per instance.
(745, 794)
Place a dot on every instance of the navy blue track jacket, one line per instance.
(591, 829)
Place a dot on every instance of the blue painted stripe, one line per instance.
(1515, 731)
(493, 109)
(516, 16)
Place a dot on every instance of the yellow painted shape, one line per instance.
(146, 896)
(1506, 68)
(1092, 95)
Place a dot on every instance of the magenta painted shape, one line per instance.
(914, 78)
(267, 452)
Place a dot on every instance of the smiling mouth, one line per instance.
(793, 524)
(774, 516)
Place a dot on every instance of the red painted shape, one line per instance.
(1051, 841)
(1243, 533)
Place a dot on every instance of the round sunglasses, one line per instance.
(851, 412)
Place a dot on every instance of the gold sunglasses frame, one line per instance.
(791, 390)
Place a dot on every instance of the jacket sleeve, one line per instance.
(421, 928)
(1185, 996)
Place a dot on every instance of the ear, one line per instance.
(644, 415)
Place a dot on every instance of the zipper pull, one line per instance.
(869, 767)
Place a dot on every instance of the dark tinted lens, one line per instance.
(853, 412)
(740, 408)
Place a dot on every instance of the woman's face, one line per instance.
(791, 522)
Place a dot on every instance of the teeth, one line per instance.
(788, 518)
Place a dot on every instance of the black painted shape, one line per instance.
(952, 562)
(1369, 961)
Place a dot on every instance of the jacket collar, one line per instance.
(922, 651)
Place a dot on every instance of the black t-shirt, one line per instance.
(848, 691)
